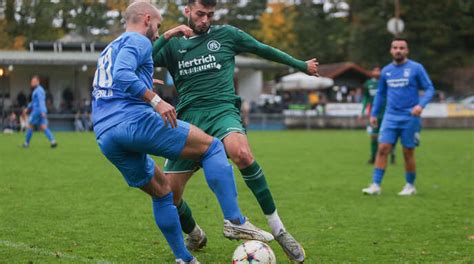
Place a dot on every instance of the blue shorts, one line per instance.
(37, 120)
(408, 131)
(128, 144)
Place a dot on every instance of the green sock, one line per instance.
(255, 180)
(185, 217)
(373, 147)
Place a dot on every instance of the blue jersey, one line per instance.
(38, 101)
(124, 72)
(399, 87)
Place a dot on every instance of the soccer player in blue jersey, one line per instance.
(38, 113)
(131, 121)
(399, 85)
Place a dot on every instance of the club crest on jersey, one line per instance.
(213, 45)
(406, 73)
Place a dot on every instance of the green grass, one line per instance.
(71, 205)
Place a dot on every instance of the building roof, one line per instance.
(43, 58)
(334, 70)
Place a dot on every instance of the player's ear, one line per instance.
(147, 20)
(186, 11)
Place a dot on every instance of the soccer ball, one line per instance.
(253, 251)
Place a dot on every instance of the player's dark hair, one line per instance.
(206, 3)
(400, 39)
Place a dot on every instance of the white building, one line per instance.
(61, 69)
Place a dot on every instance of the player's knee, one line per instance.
(242, 157)
(157, 187)
(384, 150)
(177, 194)
(408, 153)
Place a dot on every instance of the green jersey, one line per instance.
(202, 66)
(370, 90)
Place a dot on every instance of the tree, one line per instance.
(439, 33)
(277, 27)
(368, 38)
(172, 17)
(319, 34)
(244, 16)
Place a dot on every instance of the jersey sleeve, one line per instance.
(128, 59)
(381, 95)
(246, 43)
(426, 84)
(159, 52)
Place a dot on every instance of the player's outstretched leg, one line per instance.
(255, 180)
(239, 151)
(220, 178)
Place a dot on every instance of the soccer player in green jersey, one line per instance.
(370, 90)
(202, 67)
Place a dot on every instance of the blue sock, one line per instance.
(49, 135)
(166, 218)
(378, 175)
(410, 177)
(29, 134)
(220, 178)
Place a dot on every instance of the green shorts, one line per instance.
(218, 123)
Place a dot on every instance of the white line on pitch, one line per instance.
(59, 255)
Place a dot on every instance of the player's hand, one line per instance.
(416, 111)
(312, 67)
(373, 122)
(157, 81)
(178, 31)
(167, 112)
(43, 115)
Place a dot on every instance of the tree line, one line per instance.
(439, 32)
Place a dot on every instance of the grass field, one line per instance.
(70, 205)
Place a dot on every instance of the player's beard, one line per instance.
(194, 27)
(150, 34)
(399, 58)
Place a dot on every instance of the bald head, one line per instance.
(137, 11)
(144, 18)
